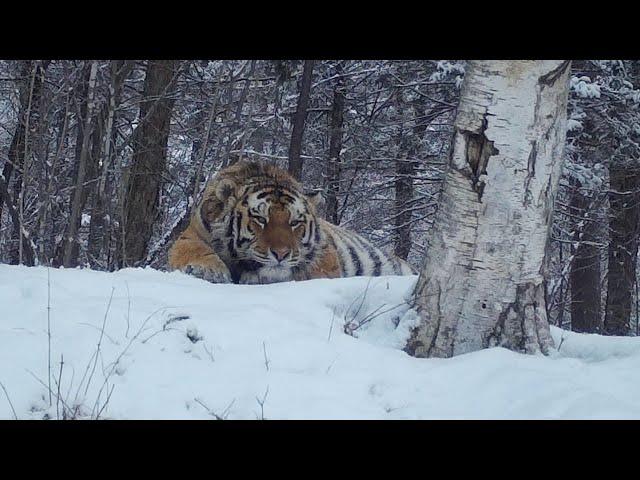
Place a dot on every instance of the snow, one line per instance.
(590, 177)
(583, 87)
(573, 124)
(176, 347)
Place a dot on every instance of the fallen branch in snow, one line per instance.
(561, 342)
(225, 412)
(266, 359)
(333, 316)
(15, 417)
(331, 365)
(175, 318)
(210, 353)
(261, 403)
(351, 325)
(209, 411)
(165, 325)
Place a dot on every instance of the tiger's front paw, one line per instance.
(210, 275)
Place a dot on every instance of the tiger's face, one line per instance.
(274, 230)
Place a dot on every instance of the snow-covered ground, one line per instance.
(175, 347)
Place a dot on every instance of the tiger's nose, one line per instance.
(280, 253)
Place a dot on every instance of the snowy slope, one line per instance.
(175, 347)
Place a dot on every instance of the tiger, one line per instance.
(255, 225)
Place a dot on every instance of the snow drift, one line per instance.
(144, 344)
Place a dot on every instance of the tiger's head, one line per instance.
(271, 227)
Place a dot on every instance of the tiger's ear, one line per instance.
(225, 189)
(316, 198)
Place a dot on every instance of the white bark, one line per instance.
(482, 281)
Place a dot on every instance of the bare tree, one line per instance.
(79, 196)
(99, 230)
(21, 148)
(5, 196)
(405, 173)
(295, 148)
(482, 282)
(29, 86)
(335, 147)
(237, 132)
(598, 201)
(149, 160)
(585, 275)
(624, 218)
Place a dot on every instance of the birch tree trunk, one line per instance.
(482, 282)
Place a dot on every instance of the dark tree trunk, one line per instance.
(5, 196)
(70, 249)
(404, 187)
(295, 148)
(334, 164)
(30, 88)
(561, 292)
(46, 244)
(149, 160)
(584, 276)
(405, 171)
(158, 257)
(16, 152)
(624, 206)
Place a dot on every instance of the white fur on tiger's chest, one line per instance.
(267, 275)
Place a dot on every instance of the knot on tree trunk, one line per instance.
(478, 151)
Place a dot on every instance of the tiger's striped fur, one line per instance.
(255, 225)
